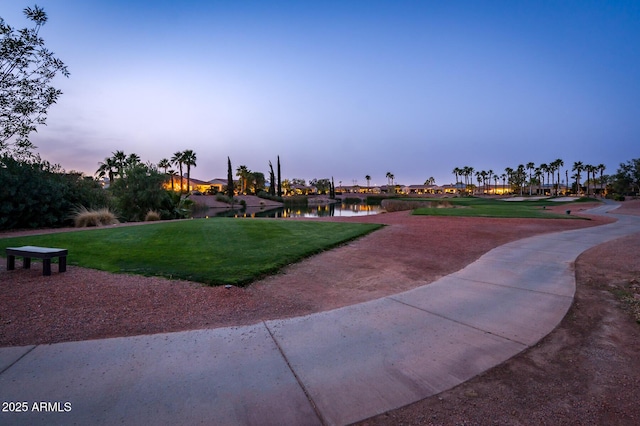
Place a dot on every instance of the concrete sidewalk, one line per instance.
(333, 367)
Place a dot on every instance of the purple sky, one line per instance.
(344, 88)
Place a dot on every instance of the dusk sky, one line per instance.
(343, 88)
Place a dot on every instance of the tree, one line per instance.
(601, 168)
(430, 181)
(189, 159)
(509, 174)
(164, 164)
(577, 167)
(530, 167)
(368, 179)
(279, 179)
(108, 167)
(120, 158)
(544, 168)
(556, 167)
(272, 180)
(230, 188)
(322, 185)
(627, 178)
(140, 190)
(177, 160)
(26, 70)
(243, 173)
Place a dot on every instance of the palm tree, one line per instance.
(509, 172)
(430, 181)
(243, 172)
(577, 167)
(521, 177)
(189, 159)
(120, 158)
(390, 178)
(468, 175)
(504, 181)
(544, 168)
(177, 160)
(457, 171)
(600, 167)
(538, 173)
(556, 166)
(368, 179)
(490, 176)
(164, 164)
(530, 167)
(108, 167)
(172, 173)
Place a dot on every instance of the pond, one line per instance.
(337, 210)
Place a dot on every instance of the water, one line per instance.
(335, 210)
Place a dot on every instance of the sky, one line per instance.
(343, 89)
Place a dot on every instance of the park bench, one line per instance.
(44, 253)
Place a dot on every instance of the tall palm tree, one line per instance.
(521, 177)
(368, 179)
(165, 164)
(490, 176)
(557, 164)
(177, 160)
(538, 173)
(577, 167)
(504, 181)
(457, 171)
(600, 167)
(544, 168)
(189, 159)
(530, 167)
(468, 174)
(172, 173)
(509, 175)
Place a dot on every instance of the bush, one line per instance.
(351, 200)
(152, 216)
(36, 194)
(267, 196)
(296, 201)
(392, 205)
(85, 218)
(140, 190)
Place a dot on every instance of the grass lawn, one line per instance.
(484, 207)
(212, 251)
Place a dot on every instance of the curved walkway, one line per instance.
(333, 367)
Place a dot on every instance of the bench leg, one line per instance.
(62, 264)
(26, 262)
(11, 262)
(46, 266)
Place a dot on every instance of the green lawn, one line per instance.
(212, 251)
(482, 207)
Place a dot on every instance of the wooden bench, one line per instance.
(44, 253)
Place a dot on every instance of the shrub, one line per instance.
(392, 205)
(152, 216)
(84, 218)
(267, 196)
(140, 190)
(37, 194)
(296, 201)
(351, 200)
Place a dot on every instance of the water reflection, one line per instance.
(337, 210)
